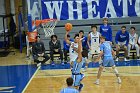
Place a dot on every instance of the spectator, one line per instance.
(106, 30)
(55, 48)
(39, 52)
(69, 89)
(66, 48)
(122, 40)
(133, 39)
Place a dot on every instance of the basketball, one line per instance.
(68, 26)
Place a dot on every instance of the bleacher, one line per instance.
(115, 23)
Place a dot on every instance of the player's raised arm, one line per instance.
(68, 28)
(66, 38)
(79, 59)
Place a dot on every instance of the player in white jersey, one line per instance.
(73, 47)
(133, 39)
(93, 43)
(73, 51)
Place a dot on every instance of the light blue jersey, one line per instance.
(107, 54)
(77, 67)
(69, 90)
(106, 48)
(76, 75)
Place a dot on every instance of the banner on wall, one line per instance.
(83, 9)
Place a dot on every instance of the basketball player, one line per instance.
(70, 88)
(77, 65)
(107, 53)
(133, 39)
(75, 55)
(93, 43)
(73, 47)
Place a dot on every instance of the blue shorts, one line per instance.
(108, 61)
(77, 79)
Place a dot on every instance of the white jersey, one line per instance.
(132, 39)
(73, 54)
(95, 39)
(95, 43)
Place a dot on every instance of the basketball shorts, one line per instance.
(108, 61)
(95, 50)
(92, 57)
(73, 58)
(77, 78)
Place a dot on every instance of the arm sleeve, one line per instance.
(33, 49)
(110, 34)
(116, 38)
(50, 45)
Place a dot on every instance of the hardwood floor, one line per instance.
(52, 81)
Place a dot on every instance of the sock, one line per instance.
(97, 80)
(118, 77)
(116, 71)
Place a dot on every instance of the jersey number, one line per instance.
(72, 50)
(94, 40)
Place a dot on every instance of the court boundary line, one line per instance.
(30, 79)
(89, 74)
(10, 91)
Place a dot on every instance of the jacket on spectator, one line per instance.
(106, 31)
(56, 45)
(121, 37)
(38, 48)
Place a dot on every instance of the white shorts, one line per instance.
(121, 43)
(95, 50)
(73, 58)
(92, 57)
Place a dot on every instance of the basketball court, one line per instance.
(27, 78)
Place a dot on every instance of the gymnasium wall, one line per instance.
(115, 23)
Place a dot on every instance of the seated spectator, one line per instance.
(69, 89)
(66, 48)
(55, 48)
(133, 39)
(38, 50)
(122, 40)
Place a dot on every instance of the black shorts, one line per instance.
(85, 52)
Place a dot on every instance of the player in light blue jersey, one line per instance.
(77, 65)
(107, 55)
(70, 88)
